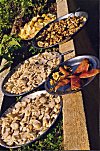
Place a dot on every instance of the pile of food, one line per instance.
(31, 28)
(28, 119)
(60, 30)
(65, 75)
(32, 72)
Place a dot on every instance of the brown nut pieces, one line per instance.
(30, 29)
(59, 31)
(28, 119)
(32, 72)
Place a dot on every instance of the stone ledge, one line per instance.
(74, 122)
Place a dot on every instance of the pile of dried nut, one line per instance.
(32, 72)
(30, 29)
(28, 119)
(59, 31)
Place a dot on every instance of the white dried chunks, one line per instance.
(28, 119)
(32, 72)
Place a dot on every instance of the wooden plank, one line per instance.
(74, 122)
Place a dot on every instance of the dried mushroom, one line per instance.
(21, 127)
(60, 30)
(32, 72)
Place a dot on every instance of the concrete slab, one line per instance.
(74, 122)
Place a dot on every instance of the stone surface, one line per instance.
(74, 122)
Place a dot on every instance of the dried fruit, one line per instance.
(61, 83)
(73, 78)
(55, 75)
(90, 73)
(31, 28)
(83, 66)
